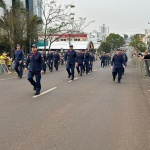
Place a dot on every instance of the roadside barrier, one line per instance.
(3, 66)
(143, 66)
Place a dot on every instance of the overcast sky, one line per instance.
(121, 16)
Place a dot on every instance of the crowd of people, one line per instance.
(37, 63)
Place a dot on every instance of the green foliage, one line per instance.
(138, 45)
(115, 40)
(134, 37)
(17, 26)
(104, 47)
(2, 4)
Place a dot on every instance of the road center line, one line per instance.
(73, 80)
(8, 79)
(45, 92)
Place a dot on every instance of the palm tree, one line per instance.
(2, 4)
(17, 25)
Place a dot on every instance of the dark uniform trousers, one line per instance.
(56, 65)
(103, 64)
(44, 62)
(116, 71)
(70, 66)
(50, 65)
(36, 84)
(20, 71)
(87, 67)
(44, 66)
(91, 66)
(83, 68)
(80, 68)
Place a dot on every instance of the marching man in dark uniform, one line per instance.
(36, 69)
(50, 58)
(79, 62)
(87, 61)
(126, 60)
(43, 55)
(117, 64)
(56, 60)
(70, 57)
(103, 59)
(18, 59)
(92, 59)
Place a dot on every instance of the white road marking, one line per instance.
(73, 80)
(45, 92)
(95, 70)
(8, 79)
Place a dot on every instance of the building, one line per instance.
(32, 5)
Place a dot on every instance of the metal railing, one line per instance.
(3, 66)
(142, 65)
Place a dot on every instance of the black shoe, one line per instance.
(37, 93)
(72, 78)
(69, 75)
(80, 74)
(20, 77)
(113, 79)
(34, 88)
(119, 81)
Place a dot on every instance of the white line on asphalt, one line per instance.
(73, 80)
(44, 92)
(8, 79)
(95, 70)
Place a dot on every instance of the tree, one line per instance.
(104, 47)
(136, 36)
(55, 18)
(58, 19)
(115, 40)
(15, 23)
(138, 45)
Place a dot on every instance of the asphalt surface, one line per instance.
(90, 113)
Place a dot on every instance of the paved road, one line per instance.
(90, 113)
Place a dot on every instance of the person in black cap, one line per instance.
(70, 57)
(18, 59)
(50, 58)
(86, 61)
(117, 63)
(79, 62)
(56, 60)
(36, 68)
(43, 55)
